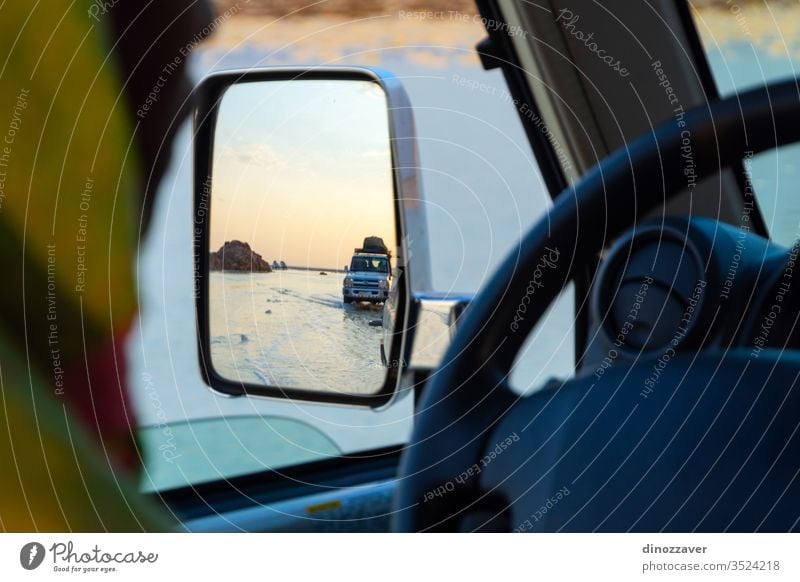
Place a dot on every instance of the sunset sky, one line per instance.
(302, 170)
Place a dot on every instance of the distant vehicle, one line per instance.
(370, 274)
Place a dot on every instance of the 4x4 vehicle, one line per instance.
(370, 274)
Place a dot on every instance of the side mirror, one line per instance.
(306, 205)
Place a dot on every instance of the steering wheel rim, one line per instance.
(469, 393)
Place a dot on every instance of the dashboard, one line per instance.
(366, 509)
(342, 494)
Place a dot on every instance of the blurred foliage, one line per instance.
(68, 219)
(55, 478)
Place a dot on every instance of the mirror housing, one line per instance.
(411, 261)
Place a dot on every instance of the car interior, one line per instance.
(398, 266)
(681, 412)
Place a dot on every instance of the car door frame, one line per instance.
(561, 101)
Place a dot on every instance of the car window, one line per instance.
(483, 191)
(203, 450)
(376, 265)
(748, 44)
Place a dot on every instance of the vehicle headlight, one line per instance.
(383, 284)
(348, 282)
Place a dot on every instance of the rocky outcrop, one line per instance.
(237, 256)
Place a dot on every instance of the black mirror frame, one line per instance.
(409, 223)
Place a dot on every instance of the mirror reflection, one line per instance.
(302, 235)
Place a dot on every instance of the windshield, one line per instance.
(748, 45)
(369, 265)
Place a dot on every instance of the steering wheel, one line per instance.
(588, 455)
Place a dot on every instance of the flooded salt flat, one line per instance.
(291, 329)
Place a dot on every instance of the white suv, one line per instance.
(368, 278)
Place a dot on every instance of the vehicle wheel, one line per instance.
(348, 300)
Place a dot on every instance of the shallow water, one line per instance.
(290, 329)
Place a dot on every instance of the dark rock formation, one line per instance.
(237, 256)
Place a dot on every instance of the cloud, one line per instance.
(254, 154)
